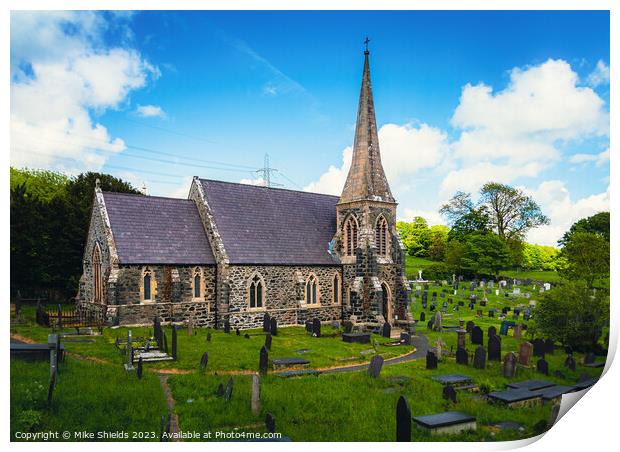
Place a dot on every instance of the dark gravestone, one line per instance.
(268, 341)
(403, 420)
(220, 390)
(461, 356)
(469, 326)
(449, 393)
(174, 343)
(386, 331)
(431, 360)
(208, 337)
(165, 343)
(139, 370)
(494, 347)
(374, 368)
(270, 423)
(274, 326)
(422, 317)
(492, 331)
(568, 349)
(316, 328)
(503, 329)
(264, 361)
(480, 357)
(570, 362)
(204, 361)
(238, 332)
(227, 326)
(492, 313)
(477, 335)
(308, 326)
(266, 322)
(348, 326)
(539, 348)
(405, 338)
(525, 354)
(509, 368)
(229, 389)
(549, 347)
(360, 338)
(589, 358)
(559, 374)
(542, 366)
(246, 335)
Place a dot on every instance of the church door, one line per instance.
(386, 302)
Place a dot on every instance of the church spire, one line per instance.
(366, 179)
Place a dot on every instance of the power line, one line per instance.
(163, 129)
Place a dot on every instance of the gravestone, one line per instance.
(461, 332)
(174, 342)
(255, 403)
(316, 328)
(492, 331)
(503, 329)
(220, 390)
(549, 347)
(190, 327)
(386, 330)
(348, 326)
(509, 368)
(525, 354)
(480, 357)
(589, 358)
(204, 361)
(494, 347)
(227, 326)
(477, 335)
(274, 326)
(238, 332)
(246, 335)
(542, 366)
(516, 331)
(461, 356)
(431, 360)
(539, 348)
(165, 342)
(469, 326)
(570, 362)
(405, 338)
(264, 361)
(403, 420)
(308, 326)
(422, 317)
(208, 337)
(374, 368)
(270, 423)
(129, 352)
(449, 393)
(266, 322)
(437, 326)
(268, 341)
(139, 370)
(229, 389)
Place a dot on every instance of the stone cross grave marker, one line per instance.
(461, 356)
(525, 354)
(477, 336)
(480, 358)
(403, 420)
(494, 346)
(204, 361)
(509, 368)
(316, 328)
(264, 361)
(431, 360)
(268, 341)
(386, 330)
(374, 368)
(229, 389)
(542, 366)
(449, 393)
(273, 327)
(255, 394)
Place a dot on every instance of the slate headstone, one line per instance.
(274, 326)
(539, 348)
(477, 335)
(492, 331)
(542, 366)
(221, 390)
(403, 420)
(449, 393)
(270, 423)
(268, 340)
(266, 322)
(590, 358)
(570, 362)
(509, 368)
(229, 389)
(208, 337)
(461, 356)
(316, 328)
(469, 326)
(494, 347)
(422, 317)
(503, 329)
(348, 326)
(139, 370)
(480, 357)
(264, 361)
(525, 354)
(204, 361)
(386, 330)
(174, 342)
(374, 368)
(227, 326)
(431, 360)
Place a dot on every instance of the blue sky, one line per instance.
(461, 98)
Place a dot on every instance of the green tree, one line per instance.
(416, 236)
(596, 224)
(573, 314)
(454, 256)
(438, 241)
(587, 257)
(485, 254)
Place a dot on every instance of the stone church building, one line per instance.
(234, 251)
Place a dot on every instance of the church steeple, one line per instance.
(366, 179)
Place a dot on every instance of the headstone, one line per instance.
(129, 352)
(246, 335)
(403, 420)
(431, 360)
(542, 366)
(255, 394)
(477, 335)
(589, 358)
(274, 326)
(221, 390)
(480, 357)
(348, 326)
(204, 361)
(449, 393)
(190, 327)
(139, 370)
(174, 342)
(374, 368)
(268, 341)
(270, 423)
(227, 326)
(492, 331)
(316, 328)
(469, 326)
(386, 330)
(549, 347)
(570, 362)
(539, 348)
(266, 322)
(422, 317)
(165, 342)
(405, 338)
(494, 347)
(503, 329)
(229, 389)
(309, 326)
(509, 368)
(525, 354)
(264, 361)
(437, 322)
(238, 332)
(208, 337)
(516, 332)
(461, 356)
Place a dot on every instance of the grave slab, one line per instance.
(288, 362)
(453, 379)
(530, 385)
(450, 422)
(360, 338)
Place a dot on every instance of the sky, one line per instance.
(462, 98)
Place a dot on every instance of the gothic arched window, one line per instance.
(97, 275)
(256, 292)
(148, 283)
(350, 236)
(336, 289)
(312, 290)
(381, 236)
(197, 282)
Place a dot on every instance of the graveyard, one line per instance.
(473, 370)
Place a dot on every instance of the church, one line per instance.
(235, 252)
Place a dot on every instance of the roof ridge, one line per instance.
(269, 188)
(138, 195)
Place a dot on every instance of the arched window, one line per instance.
(381, 235)
(350, 236)
(336, 289)
(147, 284)
(97, 275)
(256, 289)
(312, 290)
(197, 282)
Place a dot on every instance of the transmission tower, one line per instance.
(266, 171)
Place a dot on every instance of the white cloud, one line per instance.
(150, 111)
(332, 181)
(555, 201)
(258, 181)
(600, 75)
(432, 217)
(599, 159)
(61, 75)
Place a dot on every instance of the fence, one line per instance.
(69, 318)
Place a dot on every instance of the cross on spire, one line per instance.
(366, 41)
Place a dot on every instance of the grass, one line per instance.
(89, 396)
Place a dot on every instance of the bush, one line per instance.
(437, 271)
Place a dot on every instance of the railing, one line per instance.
(69, 318)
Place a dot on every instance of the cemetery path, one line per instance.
(174, 420)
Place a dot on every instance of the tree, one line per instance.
(573, 314)
(416, 236)
(587, 257)
(485, 254)
(454, 256)
(438, 240)
(596, 224)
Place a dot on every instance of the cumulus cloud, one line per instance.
(600, 75)
(599, 159)
(258, 181)
(331, 182)
(150, 111)
(62, 75)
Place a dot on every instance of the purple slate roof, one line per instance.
(261, 225)
(154, 230)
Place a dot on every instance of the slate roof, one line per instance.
(155, 230)
(261, 225)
